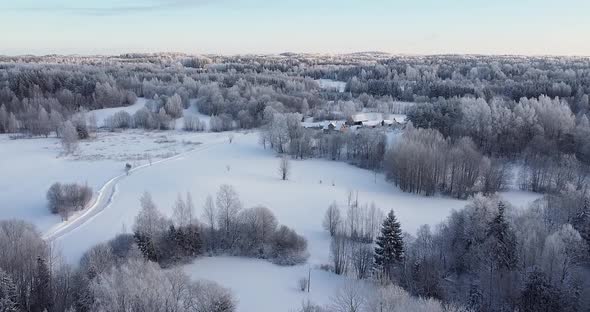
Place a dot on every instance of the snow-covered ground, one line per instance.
(329, 84)
(262, 286)
(30, 166)
(102, 114)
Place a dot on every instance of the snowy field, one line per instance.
(329, 84)
(102, 114)
(30, 166)
(200, 163)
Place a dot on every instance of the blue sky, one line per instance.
(532, 27)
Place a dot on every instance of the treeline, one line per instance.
(491, 257)
(228, 229)
(285, 134)
(28, 91)
(423, 161)
(110, 277)
(251, 232)
(485, 257)
(241, 87)
(552, 142)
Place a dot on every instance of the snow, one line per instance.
(276, 287)
(102, 114)
(315, 183)
(192, 110)
(338, 124)
(30, 166)
(329, 84)
(200, 163)
(399, 118)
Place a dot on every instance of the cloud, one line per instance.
(123, 7)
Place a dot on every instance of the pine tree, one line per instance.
(390, 245)
(8, 295)
(502, 241)
(41, 293)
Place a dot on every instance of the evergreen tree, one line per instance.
(390, 246)
(8, 295)
(502, 241)
(41, 292)
(190, 240)
(582, 223)
(538, 294)
(475, 300)
(146, 246)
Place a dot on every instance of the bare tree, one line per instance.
(258, 225)
(332, 219)
(349, 298)
(284, 167)
(69, 138)
(339, 253)
(183, 211)
(66, 198)
(302, 283)
(149, 221)
(228, 207)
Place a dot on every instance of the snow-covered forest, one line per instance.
(362, 182)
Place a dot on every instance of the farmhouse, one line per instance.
(372, 120)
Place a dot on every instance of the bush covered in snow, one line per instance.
(67, 198)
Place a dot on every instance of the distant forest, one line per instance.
(475, 125)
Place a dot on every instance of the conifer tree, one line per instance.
(538, 294)
(8, 295)
(41, 293)
(582, 223)
(502, 241)
(390, 246)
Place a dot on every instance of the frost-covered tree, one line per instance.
(538, 294)
(210, 217)
(174, 107)
(389, 251)
(69, 137)
(332, 219)
(563, 250)
(581, 223)
(41, 299)
(183, 211)
(149, 225)
(284, 167)
(143, 286)
(228, 206)
(502, 241)
(350, 298)
(8, 294)
(257, 228)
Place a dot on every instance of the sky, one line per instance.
(525, 27)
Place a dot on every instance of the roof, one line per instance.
(371, 123)
(361, 117)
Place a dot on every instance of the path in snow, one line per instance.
(104, 198)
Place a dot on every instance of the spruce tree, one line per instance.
(41, 293)
(8, 294)
(390, 246)
(538, 294)
(582, 223)
(502, 241)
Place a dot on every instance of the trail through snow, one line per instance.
(104, 198)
